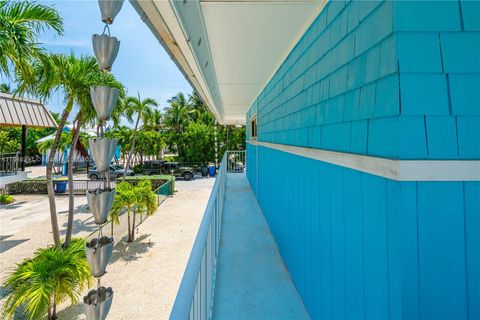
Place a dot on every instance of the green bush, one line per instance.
(170, 158)
(6, 199)
(33, 186)
(137, 169)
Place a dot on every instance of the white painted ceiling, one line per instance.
(248, 41)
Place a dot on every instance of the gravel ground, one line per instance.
(145, 274)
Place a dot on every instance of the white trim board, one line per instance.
(399, 170)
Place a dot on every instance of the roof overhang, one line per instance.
(228, 49)
(18, 111)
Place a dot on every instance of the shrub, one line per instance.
(170, 158)
(34, 186)
(138, 169)
(6, 199)
(52, 276)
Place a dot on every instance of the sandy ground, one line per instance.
(145, 275)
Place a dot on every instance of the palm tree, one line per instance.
(142, 108)
(153, 121)
(124, 136)
(63, 143)
(5, 88)
(52, 276)
(73, 76)
(196, 105)
(177, 116)
(125, 197)
(178, 113)
(85, 115)
(21, 22)
(145, 201)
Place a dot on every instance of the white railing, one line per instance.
(236, 161)
(195, 296)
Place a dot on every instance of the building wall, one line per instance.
(397, 80)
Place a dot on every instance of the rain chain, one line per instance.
(99, 250)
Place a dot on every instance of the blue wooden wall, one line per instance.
(389, 79)
(362, 246)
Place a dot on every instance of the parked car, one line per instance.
(153, 167)
(178, 170)
(116, 172)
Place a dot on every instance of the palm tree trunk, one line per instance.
(129, 227)
(49, 308)
(133, 146)
(50, 191)
(111, 228)
(71, 191)
(54, 311)
(133, 224)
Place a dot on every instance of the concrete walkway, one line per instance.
(252, 281)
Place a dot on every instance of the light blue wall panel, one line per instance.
(354, 248)
(441, 258)
(472, 238)
(358, 245)
(375, 247)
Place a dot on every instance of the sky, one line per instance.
(142, 65)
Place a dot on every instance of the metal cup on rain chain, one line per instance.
(106, 49)
(98, 253)
(110, 9)
(104, 100)
(98, 303)
(100, 202)
(102, 150)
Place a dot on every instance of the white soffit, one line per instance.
(246, 42)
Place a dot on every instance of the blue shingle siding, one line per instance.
(470, 14)
(424, 15)
(369, 60)
(419, 52)
(424, 94)
(468, 137)
(460, 52)
(465, 94)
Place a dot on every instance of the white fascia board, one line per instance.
(161, 19)
(399, 170)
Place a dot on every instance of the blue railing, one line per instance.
(195, 295)
(164, 191)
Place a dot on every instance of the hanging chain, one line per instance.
(107, 28)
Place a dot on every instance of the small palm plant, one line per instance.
(52, 276)
(125, 197)
(146, 201)
(137, 199)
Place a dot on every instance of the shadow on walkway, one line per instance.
(131, 251)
